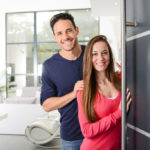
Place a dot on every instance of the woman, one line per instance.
(99, 104)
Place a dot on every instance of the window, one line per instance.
(29, 43)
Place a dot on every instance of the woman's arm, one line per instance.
(90, 130)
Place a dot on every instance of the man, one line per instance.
(60, 73)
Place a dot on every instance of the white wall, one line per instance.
(19, 116)
(110, 24)
(32, 5)
(2, 46)
(111, 27)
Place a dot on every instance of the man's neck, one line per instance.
(72, 54)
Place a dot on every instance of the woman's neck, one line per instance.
(101, 78)
(104, 86)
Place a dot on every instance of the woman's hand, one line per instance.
(129, 100)
(119, 66)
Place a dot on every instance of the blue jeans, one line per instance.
(71, 145)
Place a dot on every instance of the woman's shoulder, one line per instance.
(79, 95)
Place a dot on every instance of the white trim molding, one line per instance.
(146, 33)
(147, 134)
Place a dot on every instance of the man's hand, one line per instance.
(78, 86)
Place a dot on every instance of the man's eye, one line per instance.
(69, 30)
(59, 33)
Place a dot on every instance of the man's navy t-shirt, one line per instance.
(58, 78)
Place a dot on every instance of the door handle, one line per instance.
(131, 24)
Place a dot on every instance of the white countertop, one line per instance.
(3, 115)
(18, 116)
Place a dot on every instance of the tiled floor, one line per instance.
(20, 142)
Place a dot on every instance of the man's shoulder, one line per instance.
(83, 47)
(51, 60)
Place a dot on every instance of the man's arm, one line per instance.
(58, 102)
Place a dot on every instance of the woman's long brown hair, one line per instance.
(89, 78)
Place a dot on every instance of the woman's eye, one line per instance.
(94, 54)
(104, 53)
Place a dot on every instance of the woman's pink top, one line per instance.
(104, 134)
